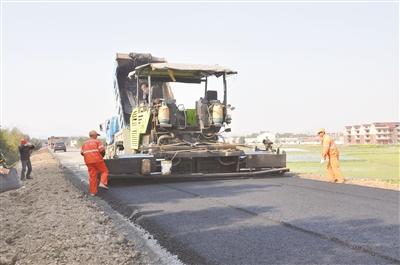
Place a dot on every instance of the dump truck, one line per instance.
(154, 136)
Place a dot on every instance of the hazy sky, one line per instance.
(301, 65)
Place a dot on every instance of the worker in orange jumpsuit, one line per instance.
(93, 151)
(330, 153)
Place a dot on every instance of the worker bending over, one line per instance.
(93, 152)
(330, 153)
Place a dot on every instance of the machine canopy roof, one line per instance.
(171, 72)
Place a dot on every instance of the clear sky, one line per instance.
(301, 65)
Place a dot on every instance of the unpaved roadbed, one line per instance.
(48, 221)
(360, 182)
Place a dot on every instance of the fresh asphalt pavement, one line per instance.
(283, 220)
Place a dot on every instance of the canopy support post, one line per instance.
(137, 90)
(205, 88)
(150, 90)
(225, 90)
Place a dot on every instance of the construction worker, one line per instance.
(93, 152)
(268, 144)
(25, 149)
(145, 90)
(330, 154)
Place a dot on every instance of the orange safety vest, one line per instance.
(329, 147)
(91, 151)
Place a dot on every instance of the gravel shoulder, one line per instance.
(361, 182)
(49, 221)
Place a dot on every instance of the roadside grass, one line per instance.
(368, 162)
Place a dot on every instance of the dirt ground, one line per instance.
(361, 182)
(49, 221)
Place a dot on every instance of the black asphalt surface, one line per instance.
(283, 220)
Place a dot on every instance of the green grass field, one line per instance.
(372, 162)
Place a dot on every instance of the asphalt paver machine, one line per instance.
(154, 136)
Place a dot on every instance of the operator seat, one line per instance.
(212, 95)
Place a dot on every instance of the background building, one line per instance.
(373, 133)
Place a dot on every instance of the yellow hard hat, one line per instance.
(321, 130)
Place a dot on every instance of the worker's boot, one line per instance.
(101, 185)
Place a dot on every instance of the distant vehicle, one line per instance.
(60, 146)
